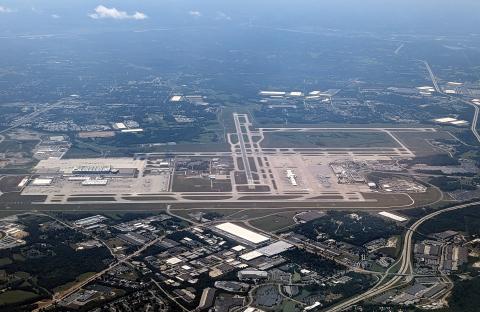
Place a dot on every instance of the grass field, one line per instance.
(5, 261)
(10, 183)
(432, 195)
(419, 141)
(80, 278)
(328, 139)
(289, 306)
(17, 146)
(16, 296)
(190, 147)
(183, 183)
(277, 222)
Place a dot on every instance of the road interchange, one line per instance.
(405, 271)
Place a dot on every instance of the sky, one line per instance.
(439, 17)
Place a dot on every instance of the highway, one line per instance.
(432, 76)
(474, 123)
(473, 127)
(405, 261)
(241, 141)
(437, 88)
(405, 270)
(57, 297)
(21, 121)
(399, 48)
(174, 299)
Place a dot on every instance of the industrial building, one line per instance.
(392, 216)
(94, 182)
(275, 248)
(240, 234)
(251, 255)
(451, 121)
(92, 170)
(268, 251)
(136, 130)
(252, 274)
(89, 221)
(296, 93)
(119, 125)
(176, 98)
(272, 93)
(207, 298)
(42, 181)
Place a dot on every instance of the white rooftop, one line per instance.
(120, 125)
(133, 130)
(42, 181)
(445, 119)
(296, 93)
(272, 93)
(425, 88)
(238, 248)
(275, 248)
(392, 216)
(251, 255)
(242, 232)
(173, 260)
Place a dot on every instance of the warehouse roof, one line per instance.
(242, 232)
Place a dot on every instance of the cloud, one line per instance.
(139, 16)
(55, 16)
(222, 16)
(5, 9)
(104, 12)
(195, 13)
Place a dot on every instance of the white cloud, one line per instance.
(104, 12)
(55, 16)
(222, 16)
(195, 13)
(139, 16)
(5, 9)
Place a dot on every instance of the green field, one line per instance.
(419, 141)
(80, 278)
(17, 146)
(16, 296)
(183, 183)
(328, 139)
(5, 261)
(276, 222)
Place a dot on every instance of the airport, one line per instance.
(291, 166)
